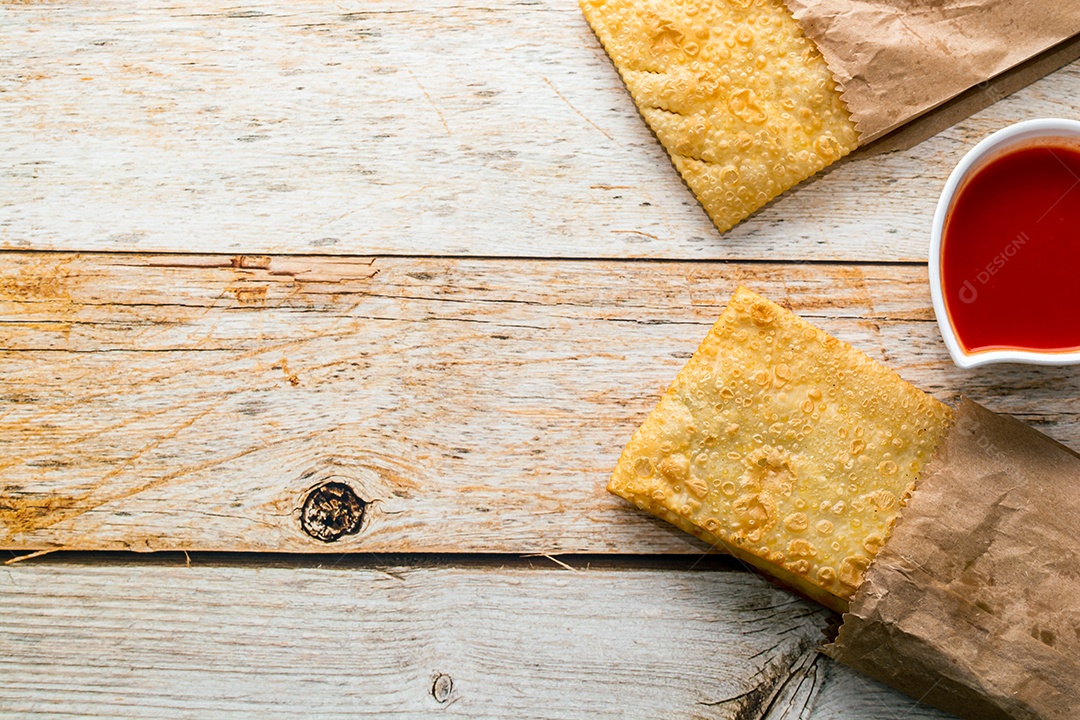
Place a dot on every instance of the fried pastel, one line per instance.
(740, 98)
(789, 448)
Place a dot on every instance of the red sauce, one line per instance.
(1011, 252)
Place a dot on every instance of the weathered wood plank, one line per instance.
(348, 128)
(191, 402)
(158, 639)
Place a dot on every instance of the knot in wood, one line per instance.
(332, 510)
(442, 687)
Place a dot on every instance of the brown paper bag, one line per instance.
(974, 99)
(897, 59)
(973, 604)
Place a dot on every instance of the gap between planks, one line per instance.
(236, 259)
(710, 562)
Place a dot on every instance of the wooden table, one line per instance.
(431, 253)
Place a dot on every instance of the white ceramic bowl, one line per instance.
(1018, 134)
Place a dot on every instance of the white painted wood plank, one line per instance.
(358, 128)
(161, 640)
(191, 402)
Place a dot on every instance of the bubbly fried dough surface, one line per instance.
(740, 98)
(790, 448)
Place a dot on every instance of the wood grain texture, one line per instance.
(350, 128)
(161, 640)
(191, 402)
(158, 401)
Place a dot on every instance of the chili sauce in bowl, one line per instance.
(1005, 250)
